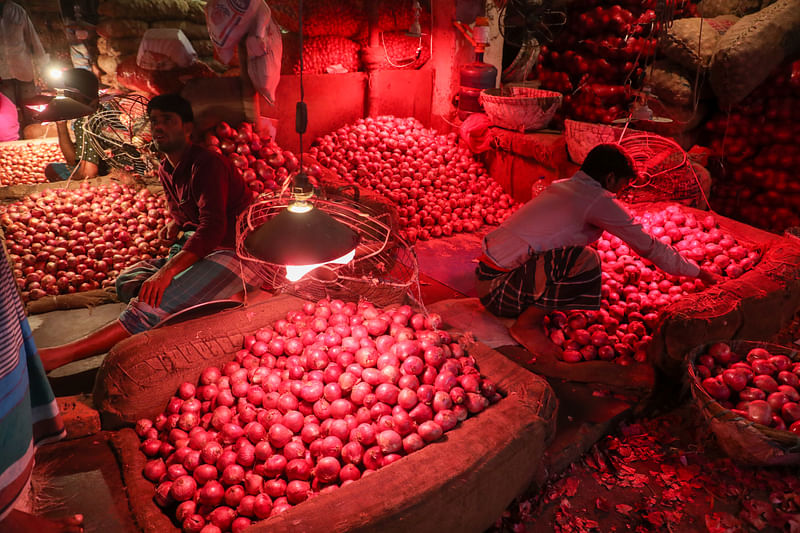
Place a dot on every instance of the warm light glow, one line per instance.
(300, 207)
(55, 73)
(296, 272)
(38, 108)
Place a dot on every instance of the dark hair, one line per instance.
(171, 103)
(607, 158)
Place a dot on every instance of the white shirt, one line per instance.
(19, 44)
(574, 212)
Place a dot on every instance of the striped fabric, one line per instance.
(28, 411)
(561, 279)
(217, 276)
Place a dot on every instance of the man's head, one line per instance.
(171, 122)
(610, 166)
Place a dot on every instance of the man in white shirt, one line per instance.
(20, 53)
(539, 261)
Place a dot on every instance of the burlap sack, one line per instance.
(192, 30)
(121, 28)
(203, 47)
(670, 83)
(109, 64)
(691, 42)
(442, 487)
(197, 12)
(118, 47)
(753, 48)
(740, 8)
(145, 9)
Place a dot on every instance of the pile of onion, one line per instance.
(758, 183)
(63, 241)
(23, 163)
(311, 403)
(262, 163)
(760, 386)
(438, 187)
(634, 292)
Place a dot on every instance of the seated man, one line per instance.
(204, 194)
(539, 261)
(82, 160)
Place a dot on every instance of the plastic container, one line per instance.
(473, 79)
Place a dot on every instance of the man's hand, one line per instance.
(709, 278)
(169, 233)
(153, 289)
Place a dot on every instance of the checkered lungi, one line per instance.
(565, 278)
(219, 275)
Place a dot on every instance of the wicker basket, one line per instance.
(520, 108)
(581, 137)
(744, 440)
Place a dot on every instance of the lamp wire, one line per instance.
(302, 92)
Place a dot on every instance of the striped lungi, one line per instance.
(28, 410)
(217, 276)
(565, 278)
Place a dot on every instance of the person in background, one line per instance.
(204, 195)
(22, 57)
(539, 259)
(80, 20)
(29, 414)
(82, 160)
(9, 123)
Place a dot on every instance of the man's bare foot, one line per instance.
(535, 341)
(21, 522)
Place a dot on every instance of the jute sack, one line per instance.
(740, 8)
(140, 374)
(118, 47)
(691, 42)
(753, 306)
(670, 84)
(461, 483)
(196, 12)
(109, 64)
(753, 48)
(145, 9)
(192, 30)
(203, 47)
(120, 28)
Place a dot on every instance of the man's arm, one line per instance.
(152, 290)
(65, 142)
(609, 215)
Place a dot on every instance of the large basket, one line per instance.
(744, 440)
(520, 108)
(581, 137)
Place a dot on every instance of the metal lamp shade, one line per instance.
(309, 238)
(64, 108)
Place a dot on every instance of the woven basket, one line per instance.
(744, 440)
(581, 137)
(520, 108)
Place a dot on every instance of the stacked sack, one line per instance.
(329, 27)
(124, 22)
(336, 32)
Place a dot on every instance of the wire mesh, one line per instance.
(383, 271)
(663, 168)
(120, 132)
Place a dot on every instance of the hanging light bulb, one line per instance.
(302, 237)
